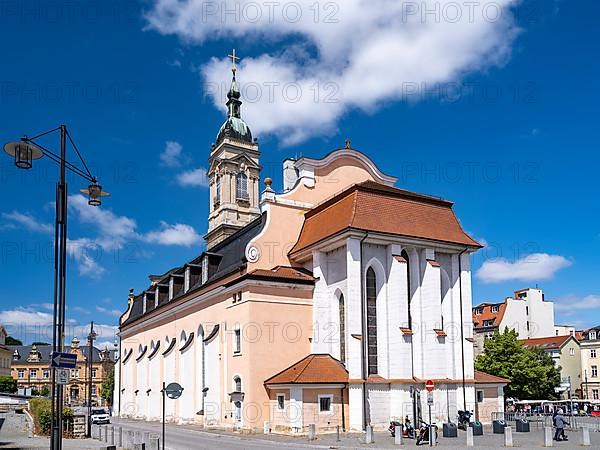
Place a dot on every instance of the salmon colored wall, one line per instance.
(277, 240)
(279, 419)
(266, 316)
(310, 409)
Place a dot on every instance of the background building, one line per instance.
(528, 313)
(31, 369)
(5, 354)
(566, 353)
(590, 363)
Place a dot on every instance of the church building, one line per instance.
(330, 301)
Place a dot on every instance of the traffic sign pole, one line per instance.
(430, 386)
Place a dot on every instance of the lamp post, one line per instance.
(24, 153)
(91, 337)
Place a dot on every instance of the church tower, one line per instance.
(234, 172)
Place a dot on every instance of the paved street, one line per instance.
(14, 435)
(192, 437)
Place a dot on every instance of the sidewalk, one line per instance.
(15, 435)
(383, 440)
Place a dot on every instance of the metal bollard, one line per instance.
(470, 442)
(508, 438)
(548, 437)
(111, 435)
(153, 443)
(312, 432)
(398, 436)
(432, 436)
(369, 437)
(585, 437)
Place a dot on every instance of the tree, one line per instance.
(532, 373)
(12, 341)
(108, 386)
(8, 385)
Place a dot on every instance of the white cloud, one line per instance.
(172, 155)
(107, 223)
(110, 312)
(177, 234)
(571, 304)
(114, 232)
(535, 267)
(356, 54)
(29, 324)
(87, 253)
(27, 221)
(196, 177)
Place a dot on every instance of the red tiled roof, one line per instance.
(314, 368)
(483, 378)
(283, 272)
(487, 314)
(370, 206)
(552, 342)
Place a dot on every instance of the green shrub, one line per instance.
(8, 385)
(41, 410)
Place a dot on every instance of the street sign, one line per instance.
(429, 385)
(63, 360)
(62, 376)
(430, 398)
(173, 390)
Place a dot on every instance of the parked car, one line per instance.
(100, 416)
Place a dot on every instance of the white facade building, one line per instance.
(527, 312)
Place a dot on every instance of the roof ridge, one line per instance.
(354, 202)
(311, 356)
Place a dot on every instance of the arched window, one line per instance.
(371, 321)
(342, 310)
(217, 189)
(237, 381)
(241, 186)
(405, 256)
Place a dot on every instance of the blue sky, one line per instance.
(503, 122)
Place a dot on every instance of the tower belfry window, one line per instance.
(242, 186)
(217, 198)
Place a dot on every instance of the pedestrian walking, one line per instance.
(559, 423)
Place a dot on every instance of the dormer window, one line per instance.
(488, 323)
(592, 335)
(495, 308)
(241, 192)
(205, 269)
(478, 311)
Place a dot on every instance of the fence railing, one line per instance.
(545, 420)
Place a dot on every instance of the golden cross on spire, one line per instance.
(233, 58)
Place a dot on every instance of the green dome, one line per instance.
(235, 128)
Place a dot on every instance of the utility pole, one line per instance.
(91, 338)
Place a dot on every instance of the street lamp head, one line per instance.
(95, 193)
(23, 153)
